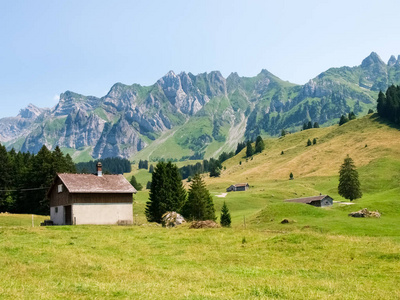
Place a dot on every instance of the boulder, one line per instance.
(172, 219)
(204, 224)
(365, 213)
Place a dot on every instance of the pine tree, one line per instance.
(314, 141)
(225, 219)
(309, 142)
(135, 184)
(5, 179)
(309, 125)
(283, 132)
(343, 120)
(199, 205)
(151, 169)
(304, 126)
(249, 149)
(291, 176)
(370, 111)
(352, 116)
(349, 185)
(259, 145)
(166, 192)
(316, 125)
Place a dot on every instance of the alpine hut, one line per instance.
(318, 201)
(91, 199)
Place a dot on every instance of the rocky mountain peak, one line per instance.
(372, 59)
(392, 61)
(30, 112)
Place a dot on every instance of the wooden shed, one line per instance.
(238, 187)
(318, 201)
(91, 199)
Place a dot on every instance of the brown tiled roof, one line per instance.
(307, 199)
(89, 183)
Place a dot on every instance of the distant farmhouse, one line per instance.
(238, 187)
(91, 199)
(318, 201)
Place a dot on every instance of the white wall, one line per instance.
(57, 217)
(101, 213)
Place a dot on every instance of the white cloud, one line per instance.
(56, 98)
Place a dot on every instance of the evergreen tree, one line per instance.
(166, 192)
(225, 219)
(343, 120)
(135, 184)
(5, 179)
(349, 185)
(352, 116)
(309, 125)
(199, 205)
(314, 141)
(249, 149)
(309, 143)
(259, 145)
(304, 126)
(370, 111)
(283, 132)
(316, 125)
(148, 185)
(291, 176)
(151, 169)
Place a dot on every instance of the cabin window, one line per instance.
(56, 209)
(60, 188)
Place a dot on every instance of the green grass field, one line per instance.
(323, 254)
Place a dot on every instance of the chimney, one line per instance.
(99, 169)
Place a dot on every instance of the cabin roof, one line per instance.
(307, 199)
(240, 184)
(90, 183)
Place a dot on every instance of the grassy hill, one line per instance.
(324, 254)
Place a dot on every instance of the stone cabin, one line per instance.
(318, 201)
(238, 187)
(91, 199)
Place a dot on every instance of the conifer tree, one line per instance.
(259, 145)
(352, 116)
(249, 149)
(199, 205)
(316, 125)
(166, 192)
(309, 142)
(283, 132)
(349, 185)
(135, 184)
(225, 219)
(309, 125)
(314, 141)
(343, 120)
(151, 169)
(291, 176)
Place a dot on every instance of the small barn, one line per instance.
(91, 199)
(318, 201)
(238, 187)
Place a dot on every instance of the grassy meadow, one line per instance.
(322, 254)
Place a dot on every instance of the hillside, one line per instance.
(195, 116)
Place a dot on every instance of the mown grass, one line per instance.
(143, 262)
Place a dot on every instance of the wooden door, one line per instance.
(68, 215)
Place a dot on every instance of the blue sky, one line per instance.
(48, 47)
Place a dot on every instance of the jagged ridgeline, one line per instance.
(201, 116)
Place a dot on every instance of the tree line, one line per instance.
(110, 165)
(389, 104)
(25, 178)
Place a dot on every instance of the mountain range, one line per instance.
(195, 116)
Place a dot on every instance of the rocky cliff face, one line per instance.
(199, 110)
